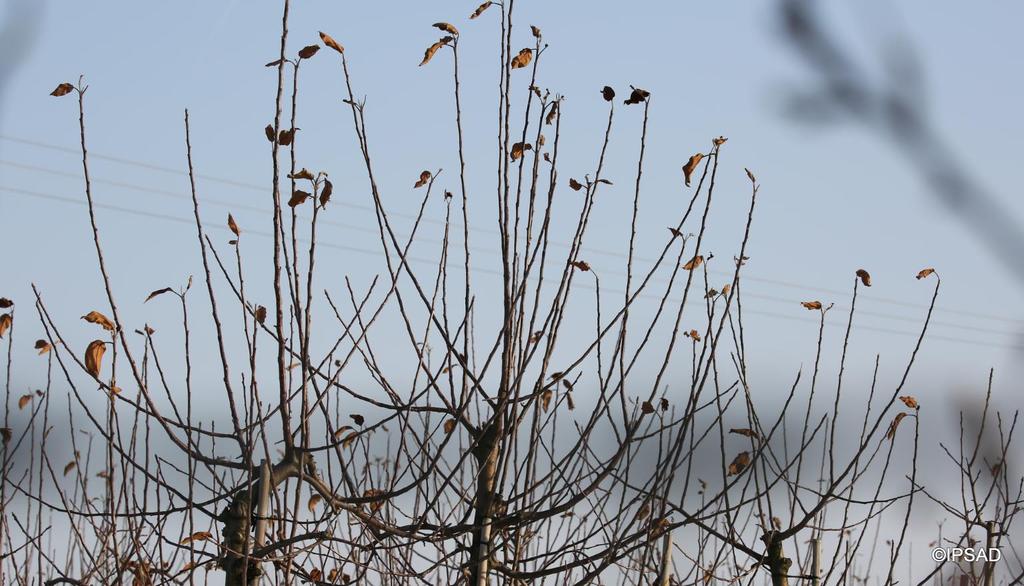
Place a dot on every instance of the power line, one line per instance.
(590, 250)
(492, 272)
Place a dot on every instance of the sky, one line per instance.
(834, 197)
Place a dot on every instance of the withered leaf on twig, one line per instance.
(43, 346)
(298, 198)
(62, 90)
(233, 226)
(693, 263)
(910, 401)
(94, 357)
(158, 292)
(691, 166)
(522, 59)
(325, 193)
(864, 277)
(608, 93)
(636, 96)
(308, 51)
(924, 273)
(812, 305)
(446, 27)
(581, 265)
(5, 323)
(429, 53)
(99, 319)
(891, 434)
(480, 9)
(330, 42)
(423, 180)
(575, 185)
(739, 463)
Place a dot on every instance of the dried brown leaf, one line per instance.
(5, 323)
(891, 434)
(99, 319)
(233, 226)
(325, 193)
(522, 59)
(864, 277)
(330, 42)
(480, 9)
(308, 51)
(446, 27)
(739, 463)
(693, 263)
(62, 90)
(691, 166)
(94, 357)
(608, 93)
(581, 265)
(924, 273)
(43, 346)
(812, 305)
(910, 401)
(298, 198)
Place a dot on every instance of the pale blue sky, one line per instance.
(833, 199)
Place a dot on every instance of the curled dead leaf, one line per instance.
(910, 401)
(330, 42)
(269, 130)
(197, 536)
(518, 149)
(5, 323)
(608, 93)
(429, 53)
(308, 51)
(62, 90)
(575, 185)
(261, 314)
(864, 277)
(99, 319)
(691, 166)
(750, 175)
(449, 426)
(313, 502)
(646, 408)
(304, 173)
(298, 198)
(325, 193)
(812, 305)
(693, 263)
(551, 114)
(43, 346)
(480, 9)
(5, 303)
(891, 434)
(522, 59)
(446, 27)
(94, 357)
(694, 334)
(746, 432)
(25, 400)
(581, 265)
(233, 226)
(924, 273)
(535, 31)
(545, 399)
(69, 467)
(636, 96)
(285, 137)
(719, 141)
(739, 464)
(423, 180)
(359, 419)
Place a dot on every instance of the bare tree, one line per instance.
(450, 453)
